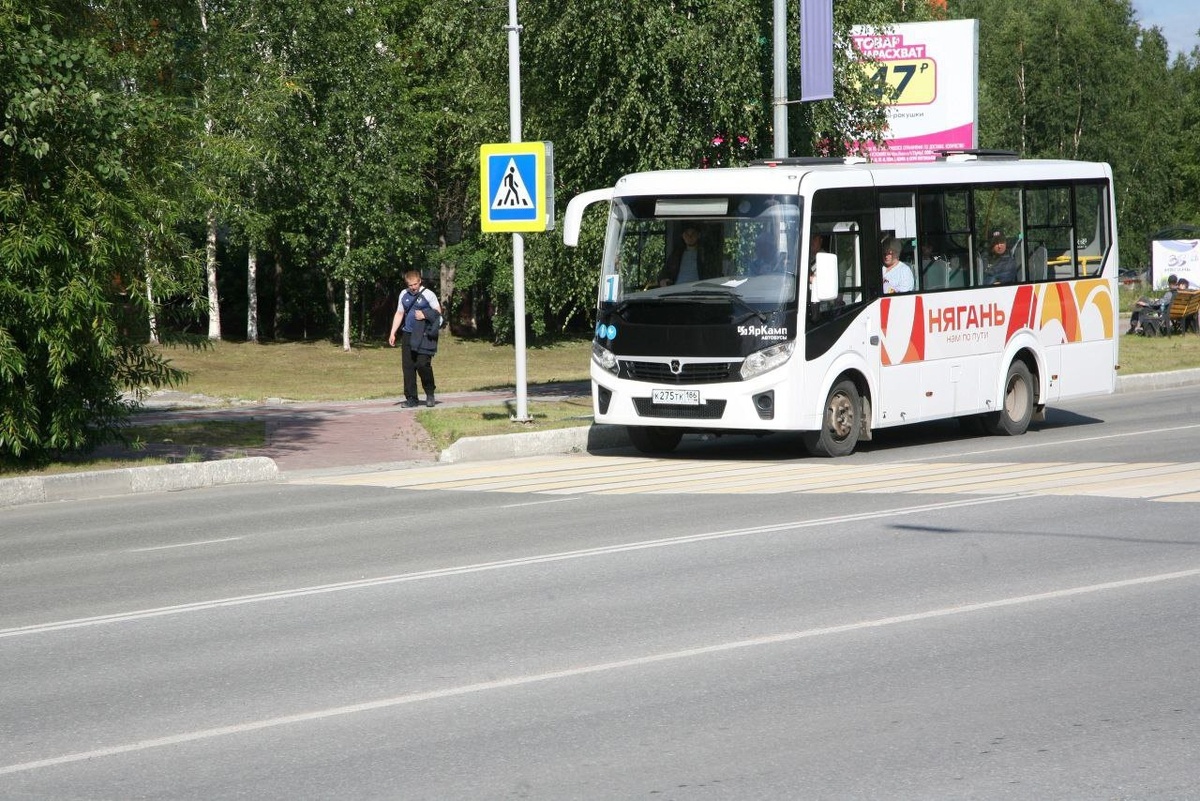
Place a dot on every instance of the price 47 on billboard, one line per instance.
(904, 69)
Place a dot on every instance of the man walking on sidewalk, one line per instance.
(418, 318)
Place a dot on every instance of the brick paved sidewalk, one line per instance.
(314, 436)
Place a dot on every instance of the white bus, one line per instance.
(776, 317)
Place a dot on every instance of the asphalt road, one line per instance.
(739, 623)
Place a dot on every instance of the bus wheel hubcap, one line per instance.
(841, 416)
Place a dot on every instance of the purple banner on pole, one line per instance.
(816, 49)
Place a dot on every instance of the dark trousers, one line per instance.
(415, 364)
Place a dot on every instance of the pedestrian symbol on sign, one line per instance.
(512, 193)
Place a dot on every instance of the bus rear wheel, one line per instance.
(841, 425)
(654, 439)
(1017, 404)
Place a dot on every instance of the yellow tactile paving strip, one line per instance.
(582, 474)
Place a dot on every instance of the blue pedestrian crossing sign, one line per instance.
(516, 187)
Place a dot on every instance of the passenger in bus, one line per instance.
(935, 268)
(816, 243)
(999, 266)
(818, 310)
(897, 276)
(684, 261)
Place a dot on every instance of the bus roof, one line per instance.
(784, 178)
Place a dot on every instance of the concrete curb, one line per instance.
(132, 480)
(1149, 381)
(536, 443)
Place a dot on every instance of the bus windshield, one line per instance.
(737, 252)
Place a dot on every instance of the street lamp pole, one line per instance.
(514, 121)
(780, 99)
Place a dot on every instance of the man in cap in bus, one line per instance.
(1001, 267)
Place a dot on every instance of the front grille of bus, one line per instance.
(694, 373)
(713, 410)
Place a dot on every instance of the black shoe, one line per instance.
(429, 400)
(410, 403)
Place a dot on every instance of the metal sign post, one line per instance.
(514, 122)
(780, 103)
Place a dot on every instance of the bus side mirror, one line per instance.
(825, 280)
(573, 219)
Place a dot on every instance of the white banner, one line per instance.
(1178, 257)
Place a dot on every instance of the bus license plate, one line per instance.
(675, 397)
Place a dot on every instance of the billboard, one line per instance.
(1178, 257)
(933, 70)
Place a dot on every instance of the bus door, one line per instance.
(848, 323)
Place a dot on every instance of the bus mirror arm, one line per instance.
(573, 219)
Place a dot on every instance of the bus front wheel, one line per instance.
(1017, 404)
(654, 439)
(841, 425)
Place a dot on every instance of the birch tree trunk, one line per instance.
(346, 319)
(210, 251)
(275, 312)
(446, 276)
(150, 308)
(210, 261)
(252, 295)
(346, 301)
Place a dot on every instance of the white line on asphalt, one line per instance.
(1045, 444)
(524, 561)
(537, 503)
(184, 545)
(602, 667)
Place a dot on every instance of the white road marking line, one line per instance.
(524, 561)
(1099, 438)
(538, 503)
(184, 545)
(584, 670)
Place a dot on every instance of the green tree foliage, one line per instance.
(350, 143)
(72, 215)
(1079, 79)
(1185, 91)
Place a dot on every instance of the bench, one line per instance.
(1179, 316)
(1184, 309)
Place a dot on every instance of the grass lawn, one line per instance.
(1158, 354)
(310, 371)
(450, 424)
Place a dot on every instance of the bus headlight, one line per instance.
(604, 357)
(766, 359)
